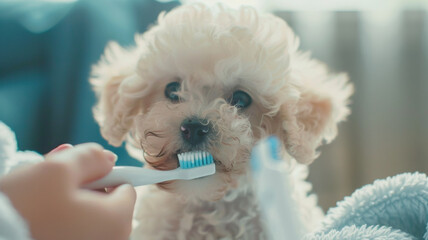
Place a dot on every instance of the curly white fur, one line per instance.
(10, 157)
(214, 51)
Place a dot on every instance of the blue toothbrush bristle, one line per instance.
(195, 159)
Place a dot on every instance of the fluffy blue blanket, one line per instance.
(392, 208)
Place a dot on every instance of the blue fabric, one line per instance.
(46, 51)
(392, 208)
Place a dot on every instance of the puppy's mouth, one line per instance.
(186, 160)
(192, 159)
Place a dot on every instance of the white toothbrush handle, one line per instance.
(135, 176)
(277, 204)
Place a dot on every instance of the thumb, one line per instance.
(87, 162)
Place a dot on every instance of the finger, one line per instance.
(122, 200)
(60, 148)
(87, 162)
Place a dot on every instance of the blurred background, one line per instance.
(48, 46)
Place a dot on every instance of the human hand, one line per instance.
(49, 197)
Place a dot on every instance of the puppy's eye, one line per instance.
(171, 91)
(240, 99)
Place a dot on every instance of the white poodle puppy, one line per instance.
(215, 79)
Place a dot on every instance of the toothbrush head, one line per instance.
(195, 159)
(196, 164)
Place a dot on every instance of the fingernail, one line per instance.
(61, 147)
(110, 156)
(65, 145)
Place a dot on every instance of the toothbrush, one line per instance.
(272, 188)
(193, 165)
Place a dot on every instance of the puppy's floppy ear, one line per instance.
(118, 89)
(320, 104)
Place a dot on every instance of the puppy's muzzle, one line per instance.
(195, 131)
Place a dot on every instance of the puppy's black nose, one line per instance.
(194, 131)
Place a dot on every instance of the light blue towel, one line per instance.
(392, 208)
